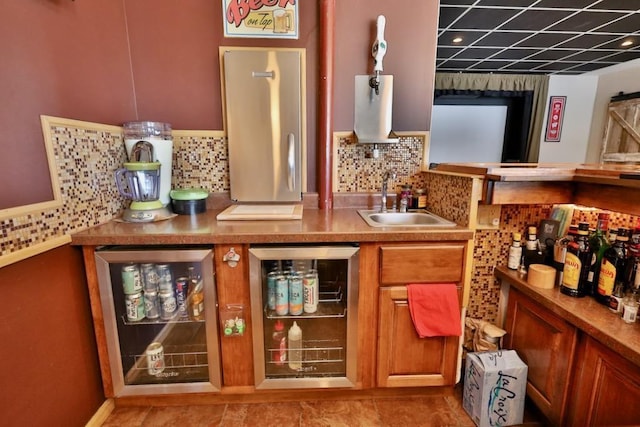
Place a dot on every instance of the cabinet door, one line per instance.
(423, 263)
(405, 359)
(547, 344)
(607, 388)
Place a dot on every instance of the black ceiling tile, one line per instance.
(515, 53)
(484, 19)
(629, 24)
(616, 5)
(468, 37)
(617, 43)
(501, 38)
(544, 40)
(571, 4)
(535, 20)
(589, 67)
(588, 55)
(490, 65)
(477, 53)
(587, 41)
(447, 52)
(448, 15)
(454, 63)
(552, 54)
(624, 56)
(553, 66)
(585, 21)
(456, 2)
(506, 3)
(524, 65)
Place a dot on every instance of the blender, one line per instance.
(158, 136)
(139, 181)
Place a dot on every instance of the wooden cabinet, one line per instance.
(573, 378)
(547, 344)
(606, 389)
(404, 359)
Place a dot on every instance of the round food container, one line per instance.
(189, 201)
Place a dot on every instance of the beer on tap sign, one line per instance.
(261, 18)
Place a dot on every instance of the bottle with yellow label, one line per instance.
(577, 263)
(612, 268)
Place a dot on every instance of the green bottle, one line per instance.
(599, 244)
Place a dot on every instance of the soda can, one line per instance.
(150, 278)
(151, 305)
(135, 306)
(168, 305)
(182, 290)
(282, 295)
(311, 293)
(271, 289)
(165, 278)
(296, 298)
(155, 358)
(131, 280)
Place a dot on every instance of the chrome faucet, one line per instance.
(385, 179)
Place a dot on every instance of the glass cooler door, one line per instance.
(160, 321)
(303, 302)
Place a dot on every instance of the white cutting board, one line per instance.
(260, 212)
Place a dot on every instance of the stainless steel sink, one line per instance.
(403, 219)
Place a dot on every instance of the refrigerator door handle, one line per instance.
(291, 161)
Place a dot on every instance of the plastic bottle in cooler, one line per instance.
(295, 347)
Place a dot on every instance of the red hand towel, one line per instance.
(434, 309)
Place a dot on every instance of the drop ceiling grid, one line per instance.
(536, 36)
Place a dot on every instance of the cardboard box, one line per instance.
(494, 388)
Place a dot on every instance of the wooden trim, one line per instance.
(509, 193)
(34, 250)
(101, 414)
(325, 103)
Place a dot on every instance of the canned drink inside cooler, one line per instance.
(155, 358)
(150, 278)
(165, 278)
(151, 305)
(135, 306)
(182, 290)
(131, 280)
(296, 298)
(282, 295)
(311, 292)
(168, 305)
(271, 289)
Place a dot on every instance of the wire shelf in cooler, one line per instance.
(319, 358)
(146, 321)
(324, 310)
(185, 366)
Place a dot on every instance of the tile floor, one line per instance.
(374, 412)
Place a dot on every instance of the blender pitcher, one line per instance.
(142, 184)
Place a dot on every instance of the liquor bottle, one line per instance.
(612, 268)
(599, 244)
(532, 252)
(515, 252)
(632, 278)
(295, 347)
(577, 263)
(279, 344)
(195, 299)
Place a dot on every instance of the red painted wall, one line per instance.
(49, 372)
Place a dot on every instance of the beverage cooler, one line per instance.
(159, 308)
(304, 311)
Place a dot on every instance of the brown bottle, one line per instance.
(577, 263)
(612, 268)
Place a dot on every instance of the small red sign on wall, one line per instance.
(554, 118)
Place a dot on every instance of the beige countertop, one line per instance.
(584, 313)
(316, 226)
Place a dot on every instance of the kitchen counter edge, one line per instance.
(316, 226)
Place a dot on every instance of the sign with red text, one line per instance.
(554, 118)
(261, 18)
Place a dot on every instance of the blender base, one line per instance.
(147, 215)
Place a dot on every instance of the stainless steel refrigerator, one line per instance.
(263, 100)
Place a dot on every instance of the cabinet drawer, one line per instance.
(425, 263)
